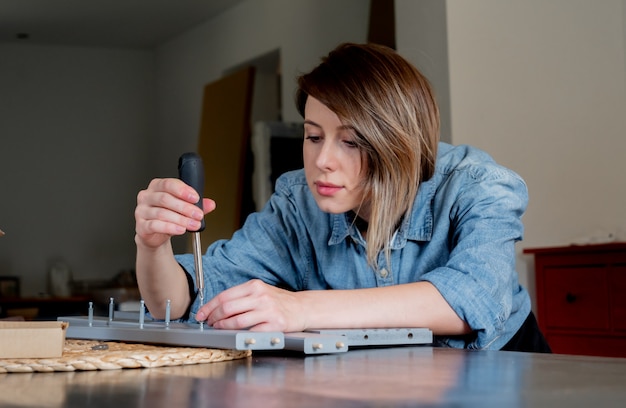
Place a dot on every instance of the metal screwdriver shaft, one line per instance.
(197, 258)
(191, 171)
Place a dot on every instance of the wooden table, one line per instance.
(400, 376)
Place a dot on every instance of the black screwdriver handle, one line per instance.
(191, 171)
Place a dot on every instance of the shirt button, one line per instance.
(383, 273)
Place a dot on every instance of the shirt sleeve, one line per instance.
(270, 246)
(479, 280)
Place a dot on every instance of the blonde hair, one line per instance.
(393, 111)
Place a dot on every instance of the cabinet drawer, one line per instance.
(617, 288)
(576, 298)
(587, 345)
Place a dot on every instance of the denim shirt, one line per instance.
(460, 236)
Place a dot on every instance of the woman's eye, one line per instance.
(313, 138)
(350, 143)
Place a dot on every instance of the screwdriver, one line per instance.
(191, 171)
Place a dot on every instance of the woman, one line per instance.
(406, 231)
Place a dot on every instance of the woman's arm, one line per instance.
(417, 304)
(161, 278)
(260, 306)
(166, 208)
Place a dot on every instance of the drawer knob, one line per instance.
(570, 298)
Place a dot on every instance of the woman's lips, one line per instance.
(326, 189)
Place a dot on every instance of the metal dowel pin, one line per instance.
(142, 313)
(168, 308)
(111, 307)
(275, 341)
(250, 341)
(90, 314)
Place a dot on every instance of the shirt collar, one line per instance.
(417, 227)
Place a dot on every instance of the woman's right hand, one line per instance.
(167, 208)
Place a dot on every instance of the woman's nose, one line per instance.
(327, 157)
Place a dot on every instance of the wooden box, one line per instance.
(32, 339)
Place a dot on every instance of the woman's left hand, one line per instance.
(257, 306)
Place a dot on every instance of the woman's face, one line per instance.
(334, 166)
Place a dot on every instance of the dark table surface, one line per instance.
(377, 377)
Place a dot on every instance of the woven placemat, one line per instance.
(90, 355)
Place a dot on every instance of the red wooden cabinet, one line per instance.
(581, 298)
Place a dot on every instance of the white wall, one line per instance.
(74, 126)
(422, 38)
(540, 85)
(537, 83)
(82, 130)
(304, 31)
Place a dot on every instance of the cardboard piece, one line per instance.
(32, 339)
